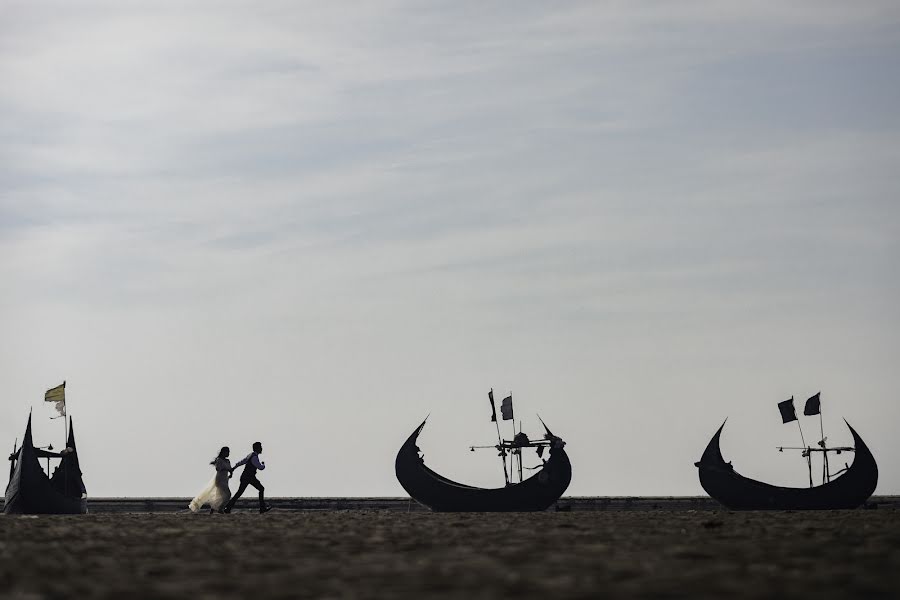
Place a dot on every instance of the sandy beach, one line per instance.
(368, 554)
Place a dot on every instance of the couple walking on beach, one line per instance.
(218, 495)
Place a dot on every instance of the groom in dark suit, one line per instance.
(252, 464)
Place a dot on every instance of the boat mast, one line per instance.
(516, 454)
(514, 446)
(63, 462)
(826, 475)
(807, 452)
(499, 439)
(822, 444)
(13, 460)
(520, 455)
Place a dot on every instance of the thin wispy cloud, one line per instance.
(313, 225)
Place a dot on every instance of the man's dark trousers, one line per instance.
(245, 481)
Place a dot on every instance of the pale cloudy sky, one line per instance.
(312, 226)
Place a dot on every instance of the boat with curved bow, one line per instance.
(536, 493)
(848, 488)
(32, 491)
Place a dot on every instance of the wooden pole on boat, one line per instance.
(512, 418)
(512, 451)
(13, 460)
(826, 476)
(499, 438)
(65, 432)
(808, 453)
(520, 455)
(62, 461)
(502, 453)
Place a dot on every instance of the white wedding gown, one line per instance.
(216, 493)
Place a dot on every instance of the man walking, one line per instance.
(252, 464)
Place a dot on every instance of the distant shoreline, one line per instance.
(405, 504)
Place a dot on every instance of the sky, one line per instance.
(312, 226)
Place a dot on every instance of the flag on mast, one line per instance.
(493, 408)
(57, 395)
(788, 413)
(506, 408)
(813, 406)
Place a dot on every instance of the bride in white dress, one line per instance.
(216, 494)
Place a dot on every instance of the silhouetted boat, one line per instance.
(538, 492)
(31, 491)
(850, 488)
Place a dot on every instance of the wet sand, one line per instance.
(368, 554)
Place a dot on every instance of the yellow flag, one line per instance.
(58, 395)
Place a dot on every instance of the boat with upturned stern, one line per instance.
(848, 488)
(536, 493)
(32, 491)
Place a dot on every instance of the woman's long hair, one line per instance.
(223, 453)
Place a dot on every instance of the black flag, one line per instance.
(506, 408)
(493, 408)
(812, 406)
(788, 413)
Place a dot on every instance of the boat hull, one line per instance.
(736, 492)
(538, 492)
(30, 491)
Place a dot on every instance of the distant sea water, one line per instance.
(405, 504)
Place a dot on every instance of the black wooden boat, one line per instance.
(849, 489)
(31, 491)
(538, 492)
